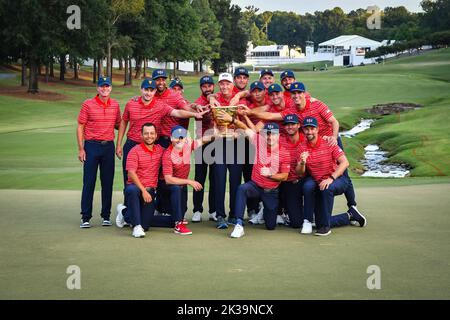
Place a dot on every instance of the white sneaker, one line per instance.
(280, 219)
(258, 219)
(238, 231)
(212, 216)
(197, 217)
(307, 227)
(138, 232)
(252, 216)
(120, 221)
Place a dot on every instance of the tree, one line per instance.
(285, 29)
(183, 37)
(437, 15)
(118, 9)
(234, 45)
(210, 40)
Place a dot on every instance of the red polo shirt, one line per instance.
(136, 113)
(318, 110)
(322, 159)
(176, 101)
(207, 121)
(294, 152)
(146, 163)
(276, 159)
(178, 163)
(99, 118)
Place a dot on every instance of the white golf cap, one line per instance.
(226, 76)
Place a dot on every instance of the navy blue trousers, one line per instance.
(201, 171)
(139, 212)
(247, 168)
(321, 202)
(227, 158)
(97, 155)
(129, 144)
(250, 190)
(178, 201)
(293, 201)
(163, 193)
(350, 191)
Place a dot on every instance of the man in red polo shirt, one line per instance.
(229, 155)
(97, 120)
(271, 166)
(174, 100)
(203, 163)
(305, 106)
(145, 109)
(143, 164)
(292, 187)
(287, 78)
(176, 167)
(325, 165)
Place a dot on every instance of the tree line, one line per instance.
(214, 32)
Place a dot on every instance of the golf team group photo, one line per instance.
(278, 145)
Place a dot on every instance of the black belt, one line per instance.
(100, 141)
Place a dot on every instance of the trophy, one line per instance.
(220, 125)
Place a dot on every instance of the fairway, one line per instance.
(408, 219)
(407, 237)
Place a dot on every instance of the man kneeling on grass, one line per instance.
(176, 167)
(271, 167)
(326, 165)
(143, 164)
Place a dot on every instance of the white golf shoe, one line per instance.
(138, 232)
(120, 221)
(307, 227)
(197, 217)
(238, 231)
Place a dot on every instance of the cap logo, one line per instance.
(296, 85)
(160, 72)
(104, 79)
(308, 120)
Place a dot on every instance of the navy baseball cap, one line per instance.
(159, 73)
(148, 83)
(104, 81)
(297, 86)
(265, 71)
(206, 79)
(310, 122)
(271, 127)
(287, 73)
(176, 82)
(178, 132)
(257, 85)
(291, 118)
(275, 88)
(240, 70)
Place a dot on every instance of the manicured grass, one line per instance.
(406, 236)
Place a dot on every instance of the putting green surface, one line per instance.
(407, 236)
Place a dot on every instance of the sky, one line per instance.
(303, 6)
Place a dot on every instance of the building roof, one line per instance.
(350, 40)
(274, 47)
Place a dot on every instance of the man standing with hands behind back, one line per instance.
(97, 120)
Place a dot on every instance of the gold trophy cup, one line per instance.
(220, 125)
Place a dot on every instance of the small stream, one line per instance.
(374, 157)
